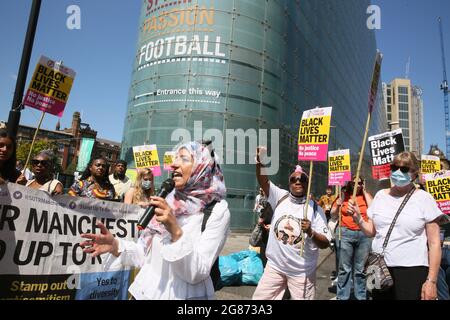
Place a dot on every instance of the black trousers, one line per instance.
(408, 283)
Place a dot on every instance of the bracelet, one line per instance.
(431, 280)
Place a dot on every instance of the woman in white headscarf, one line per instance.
(174, 255)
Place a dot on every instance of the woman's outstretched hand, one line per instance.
(100, 243)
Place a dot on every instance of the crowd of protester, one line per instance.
(180, 246)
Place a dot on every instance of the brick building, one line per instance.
(68, 141)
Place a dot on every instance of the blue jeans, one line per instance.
(354, 250)
(444, 275)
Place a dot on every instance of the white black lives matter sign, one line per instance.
(383, 148)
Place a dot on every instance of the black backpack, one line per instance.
(215, 271)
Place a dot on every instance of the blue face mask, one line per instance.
(146, 184)
(400, 179)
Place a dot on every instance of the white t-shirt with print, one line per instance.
(284, 244)
(407, 246)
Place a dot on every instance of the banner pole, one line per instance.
(361, 156)
(340, 214)
(372, 99)
(305, 208)
(32, 142)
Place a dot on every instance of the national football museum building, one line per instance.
(241, 72)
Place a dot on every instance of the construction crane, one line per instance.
(444, 88)
(408, 68)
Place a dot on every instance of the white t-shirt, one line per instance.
(284, 244)
(407, 246)
(120, 186)
(176, 270)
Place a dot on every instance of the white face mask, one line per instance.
(400, 179)
(146, 184)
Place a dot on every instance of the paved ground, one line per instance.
(239, 241)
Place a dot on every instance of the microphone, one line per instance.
(166, 188)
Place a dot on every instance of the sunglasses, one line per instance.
(301, 179)
(402, 169)
(360, 183)
(44, 163)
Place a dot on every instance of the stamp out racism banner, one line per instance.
(314, 134)
(40, 255)
(147, 157)
(438, 185)
(429, 164)
(339, 170)
(169, 157)
(384, 147)
(50, 87)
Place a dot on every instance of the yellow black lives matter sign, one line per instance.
(147, 157)
(50, 87)
(438, 185)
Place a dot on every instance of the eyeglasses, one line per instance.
(402, 169)
(44, 163)
(182, 159)
(301, 179)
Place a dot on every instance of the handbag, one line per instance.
(377, 273)
(256, 238)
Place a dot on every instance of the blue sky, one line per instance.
(102, 53)
(409, 28)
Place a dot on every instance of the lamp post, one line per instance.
(14, 114)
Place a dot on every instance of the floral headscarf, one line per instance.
(205, 185)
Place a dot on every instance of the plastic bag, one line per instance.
(230, 271)
(250, 265)
(252, 268)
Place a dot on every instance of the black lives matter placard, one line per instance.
(383, 148)
(50, 87)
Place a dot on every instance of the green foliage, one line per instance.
(23, 149)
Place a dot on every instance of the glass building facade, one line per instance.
(238, 66)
